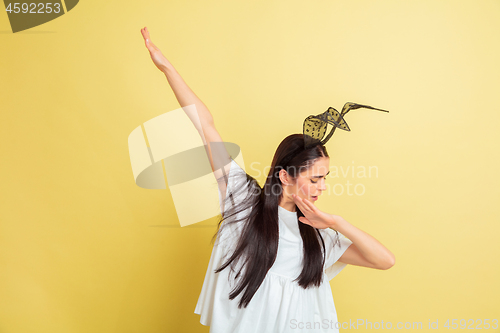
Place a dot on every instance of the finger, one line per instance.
(149, 44)
(148, 41)
(309, 204)
(301, 204)
(299, 201)
(305, 220)
(146, 38)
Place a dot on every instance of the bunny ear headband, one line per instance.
(314, 128)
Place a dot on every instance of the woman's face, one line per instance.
(309, 183)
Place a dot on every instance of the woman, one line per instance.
(275, 250)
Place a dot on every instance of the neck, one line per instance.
(288, 205)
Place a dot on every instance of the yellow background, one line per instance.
(84, 249)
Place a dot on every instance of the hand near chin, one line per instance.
(313, 216)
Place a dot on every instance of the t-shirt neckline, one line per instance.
(287, 212)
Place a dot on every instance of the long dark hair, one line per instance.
(257, 245)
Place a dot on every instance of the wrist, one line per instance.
(167, 68)
(335, 221)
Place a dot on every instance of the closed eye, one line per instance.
(314, 182)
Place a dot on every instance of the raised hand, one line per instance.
(158, 58)
(313, 216)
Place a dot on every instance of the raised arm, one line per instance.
(202, 119)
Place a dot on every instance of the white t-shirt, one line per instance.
(280, 304)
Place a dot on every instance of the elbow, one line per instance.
(204, 124)
(388, 263)
(208, 122)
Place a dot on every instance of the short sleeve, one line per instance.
(334, 251)
(237, 193)
(237, 186)
(213, 299)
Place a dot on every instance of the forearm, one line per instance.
(185, 96)
(199, 115)
(370, 248)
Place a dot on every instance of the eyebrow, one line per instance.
(321, 176)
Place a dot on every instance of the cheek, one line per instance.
(306, 187)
